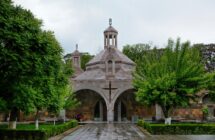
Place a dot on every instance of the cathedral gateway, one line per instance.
(105, 89)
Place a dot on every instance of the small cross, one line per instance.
(110, 21)
(110, 89)
(76, 46)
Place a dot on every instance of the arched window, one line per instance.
(110, 66)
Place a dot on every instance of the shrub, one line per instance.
(140, 122)
(183, 129)
(41, 134)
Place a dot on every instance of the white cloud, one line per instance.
(83, 21)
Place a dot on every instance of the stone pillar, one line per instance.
(113, 67)
(101, 110)
(119, 111)
(159, 112)
(110, 114)
(116, 42)
(112, 40)
(108, 40)
(105, 43)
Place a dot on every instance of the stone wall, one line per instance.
(188, 114)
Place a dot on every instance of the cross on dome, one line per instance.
(110, 21)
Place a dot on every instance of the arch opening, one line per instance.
(92, 107)
(206, 100)
(126, 108)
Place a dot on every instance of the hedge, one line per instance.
(179, 129)
(41, 134)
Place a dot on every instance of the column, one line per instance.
(101, 110)
(110, 113)
(104, 41)
(108, 40)
(119, 111)
(116, 41)
(112, 40)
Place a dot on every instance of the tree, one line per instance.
(32, 74)
(85, 58)
(172, 78)
(136, 52)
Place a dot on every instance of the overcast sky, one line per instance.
(137, 21)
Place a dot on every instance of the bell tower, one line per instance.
(110, 36)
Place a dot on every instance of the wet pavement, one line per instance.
(124, 132)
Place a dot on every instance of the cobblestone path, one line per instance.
(124, 132)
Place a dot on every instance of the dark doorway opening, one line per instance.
(120, 111)
(100, 111)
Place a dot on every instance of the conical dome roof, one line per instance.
(110, 29)
(114, 53)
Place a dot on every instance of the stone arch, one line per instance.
(88, 108)
(206, 101)
(134, 110)
(92, 89)
(122, 106)
(121, 91)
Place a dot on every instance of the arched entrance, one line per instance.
(120, 112)
(126, 108)
(92, 106)
(100, 111)
(206, 100)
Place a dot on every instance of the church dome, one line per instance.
(110, 29)
(105, 54)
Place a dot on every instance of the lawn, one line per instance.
(28, 131)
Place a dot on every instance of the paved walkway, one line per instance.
(124, 132)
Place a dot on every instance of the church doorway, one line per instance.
(120, 111)
(100, 111)
(126, 108)
(92, 106)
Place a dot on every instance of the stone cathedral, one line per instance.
(105, 89)
(106, 93)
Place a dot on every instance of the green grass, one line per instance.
(30, 126)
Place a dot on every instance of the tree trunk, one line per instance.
(166, 115)
(168, 120)
(54, 120)
(13, 118)
(37, 120)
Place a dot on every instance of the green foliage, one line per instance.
(70, 100)
(140, 122)
(172, 77)
(2, 105)
(85, 58)
(32, 73)
(179, 129)
(27, 132)
(205, 112)
(7, 134)
(55, 130)
(68, 70)
(136, 52)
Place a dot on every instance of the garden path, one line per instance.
(124, 132)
